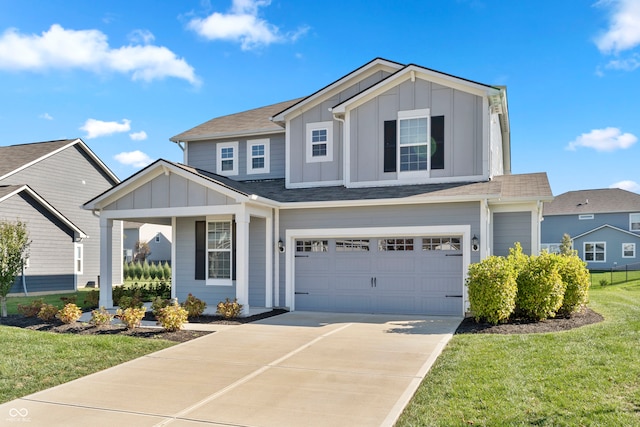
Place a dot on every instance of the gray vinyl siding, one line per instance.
(67, 180)
(613, 249)
(51, 260)
(378, 216)
(257, 262)
(554, 226)
(202, 155)
(463, 129)
(509, 228)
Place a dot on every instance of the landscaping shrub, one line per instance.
(130, 302)
(145, 270)
(173, 316)
(166, 270)
(69, 300)
(69, 313)
(47, 312)
(117, 292)
(101, 317)
(576, 278)
(32, 309)
(492, 289)
(92, 299)
(158, 304)
(194, 306)
(517, 259)
(229, 309)
(137, 270)
(604, 282)
(131, 316)
(540, 287)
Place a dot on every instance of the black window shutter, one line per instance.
(201, 250)
(437, 136)
(233, 250)
(390, 152)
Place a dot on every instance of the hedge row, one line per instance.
(146, 271)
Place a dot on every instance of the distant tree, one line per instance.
(566, 246)
(141, 251)
(14, 251)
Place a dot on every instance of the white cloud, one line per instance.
(96, 128)
(608, 139)
(624, 26)
(136, 158)
(138, 136)
(627, 185)
(46, 116)
(59, 48)
(627, 64)
(141, 36)
(243, 25)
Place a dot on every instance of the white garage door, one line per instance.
(409, 275)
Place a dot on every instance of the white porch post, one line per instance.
(106, 262)
(174, 241)
(242, 259)
(268, 274)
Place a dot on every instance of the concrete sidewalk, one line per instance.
(311, 369)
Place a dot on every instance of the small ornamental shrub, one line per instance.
(492, 289)
(604, 282)
(131, 316)
(47, 312)
(130, 302)
(229, 309)
(92, 299)
(101, 317)
(194, 306)
(69, 313)
(173, 316)
(158, 304)
(517, 258)
(540, 288)
(69, 300)
(32, 309)
(166, 269)
(576, 278)
(116, 293)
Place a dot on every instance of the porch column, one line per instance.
(268, 274)
(106, 262)
(242, 260)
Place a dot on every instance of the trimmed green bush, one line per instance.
(577, 280)
(69, 313)
(540, 287)
(194, 306)
(517, 258)
(173, 316)
(131, 316)
(166, 268)
(158, 304)
(101, 317)
(492, 289)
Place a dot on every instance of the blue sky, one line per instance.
(125, 76)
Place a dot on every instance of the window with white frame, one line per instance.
(440, 243)
(157, 238)
(258, 156)
(628, 250)
(634, 222)
(595, 251)
(585, 216)
(352, 245)
(413, 141)
(312, 245)
(78, 258)
(227, 158)
(397, 244)
(319, 142)
(219, 252)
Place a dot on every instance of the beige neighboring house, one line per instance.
(157, 236)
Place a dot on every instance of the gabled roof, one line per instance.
(14, 158)
(620, 230)
(8, 191)
(254, 121)
(608, 200)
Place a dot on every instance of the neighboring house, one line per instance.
(604, 226)
(44, 185)
(373, 194)
(158, 237)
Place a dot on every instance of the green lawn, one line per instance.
(587, 376)
(54, 299)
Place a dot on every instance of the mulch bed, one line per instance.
(80, 328)
(524, 326)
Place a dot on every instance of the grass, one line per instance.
(587, 376)
(32, 361)
(54, 299)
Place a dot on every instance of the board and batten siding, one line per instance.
(257, 262)
(463, 129)
(464, 213)
(67, 180)
(51, 260)
(203, 155)
(509, 228)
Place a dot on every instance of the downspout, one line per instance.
(346, 157)
(24, 282)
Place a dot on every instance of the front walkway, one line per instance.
(299, 368)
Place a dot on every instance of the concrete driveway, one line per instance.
(296, 369)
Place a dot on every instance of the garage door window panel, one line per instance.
(312, 246)
(441, 244)
(395, 244)
(352, 245)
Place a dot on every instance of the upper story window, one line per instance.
(227, 158)
(585, 216)
(258, 156)
(413, 136)
(634, 222)
(319, 142)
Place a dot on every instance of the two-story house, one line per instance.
(373, 194)
(604, 226)
(45, 184)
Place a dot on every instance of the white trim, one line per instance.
(417, 180)
(582, 217)
(319, 126)
(631, 221)
(269, 252)
(78, 249)
(225, 281)
(634, 250)
(315, 184)
(265, 142)
(174, 240)
(287, 155)
(584, 252)
(630, 233)
(534, 217)
(236, 158)
(464, 231)
(169, 212)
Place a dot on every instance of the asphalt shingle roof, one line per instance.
(13, 157)
(605, 200)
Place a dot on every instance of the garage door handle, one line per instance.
(302, 293)
(453, 255)
(453, 296)
(302, 256)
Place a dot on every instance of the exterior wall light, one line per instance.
(281, 247)
(475, 243)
